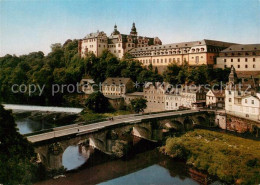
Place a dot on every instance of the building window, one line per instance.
(225, 60)
(238, 59)
(197, 59)
(230, 100)
(253, 102)
(246, 59)
(253, 65)
(231, 59)
(246, 66)
(229, 92)
(253, 59)
(245, 100)
(238, 66)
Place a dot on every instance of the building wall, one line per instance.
(236, 105)
(193, 59)
(243, 63)
(155, 99)
(172, 102)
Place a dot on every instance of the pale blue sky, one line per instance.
(33, 25)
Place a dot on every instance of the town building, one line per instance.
(116, 43)
(172, 101)
(215, 98)
(134, 95)
(162, 96)
(117, 86)
(243, 57)
(242, 98)
(115, 89)
(193, 97)
(154, 93)
(203, 52)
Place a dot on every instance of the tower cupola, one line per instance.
(115, 32)
(133, 30)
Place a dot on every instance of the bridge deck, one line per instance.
(81, 129)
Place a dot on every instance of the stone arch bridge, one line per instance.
(113, 137)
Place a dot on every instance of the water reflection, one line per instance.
(154, 174)
(75, 156)
(27, 125)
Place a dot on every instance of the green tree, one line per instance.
(138, 104)
(15, 152)
(98, 103)
(171, 73)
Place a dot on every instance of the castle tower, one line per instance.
(133, 30)
(115, 32)
(232, 78)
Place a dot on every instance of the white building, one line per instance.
(215, 98)
(242, 100)
(172, 102)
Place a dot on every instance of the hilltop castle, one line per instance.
(116, 43)
(245, 58)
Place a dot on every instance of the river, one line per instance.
(143, 165)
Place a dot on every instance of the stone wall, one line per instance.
(241, 125)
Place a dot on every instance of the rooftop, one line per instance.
(185, 45)
(116, 81)
(243, 47)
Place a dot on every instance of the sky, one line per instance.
(33, 25)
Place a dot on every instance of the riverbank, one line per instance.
(230, 158)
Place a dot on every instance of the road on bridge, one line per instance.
(82, 129)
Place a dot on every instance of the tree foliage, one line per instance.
(138, 104)
(15, 152)
(98, 103)
(176, 74)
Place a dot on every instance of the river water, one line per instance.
(26, 125)
(143, 165)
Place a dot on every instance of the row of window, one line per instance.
(239, 54)
(238, 60)
(238, 66)
(246, 101)
(149, 61)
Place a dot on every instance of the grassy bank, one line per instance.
(232, 159)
